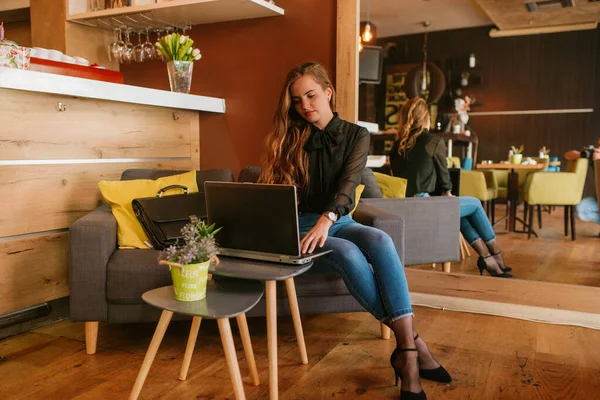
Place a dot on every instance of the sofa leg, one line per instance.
(446, 266)
(531, 212)
(385, 331)
(91, 336)
(539, 212)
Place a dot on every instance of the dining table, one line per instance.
(512, 194)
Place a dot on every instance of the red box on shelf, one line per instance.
(78, 71)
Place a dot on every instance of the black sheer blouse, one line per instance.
(424, 166)
(337, 156)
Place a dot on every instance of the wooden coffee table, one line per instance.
(226, 298)
(270, 273)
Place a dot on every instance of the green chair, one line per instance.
(557, 188)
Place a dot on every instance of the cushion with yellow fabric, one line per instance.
(359, 190)
(391, 186)
(120, 194)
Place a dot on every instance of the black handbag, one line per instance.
(163, 217)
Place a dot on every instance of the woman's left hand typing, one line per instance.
(316, 236)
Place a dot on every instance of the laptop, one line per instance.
(259, 221)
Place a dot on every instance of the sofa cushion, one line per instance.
(372, 190)
(391, 186)
(120, 194)
(131, 272)
(217, 174)
(249, 174)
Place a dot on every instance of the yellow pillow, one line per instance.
(120, 194)
(391, 186)
(359, 189)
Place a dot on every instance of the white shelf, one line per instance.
(190, 12)
(34, 81)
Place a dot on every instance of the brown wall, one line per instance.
(19, 32)
(246, 62)
(552, 71)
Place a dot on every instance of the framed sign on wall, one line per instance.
(395, 92)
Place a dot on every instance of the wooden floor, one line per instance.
(489, 358)
(550, 258)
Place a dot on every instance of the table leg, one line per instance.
(159, 333)
(189, 349)
(271, 296)
(230, 356)
(513, 198)
(293, 299)
(245, 334)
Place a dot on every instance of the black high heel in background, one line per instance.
(505, 269)
(405, 394)
(438, 374)
(483, 266)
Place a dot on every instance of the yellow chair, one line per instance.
(483, 186)
(453, 162)
(557, 188)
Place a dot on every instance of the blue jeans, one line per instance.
(382, 290)
(587, 210)
(474, 223)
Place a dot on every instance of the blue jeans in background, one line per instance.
(383, 290)
(587, 210)
(474, 223)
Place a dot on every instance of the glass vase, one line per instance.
(180, 75)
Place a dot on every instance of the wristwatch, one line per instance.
(331, 216)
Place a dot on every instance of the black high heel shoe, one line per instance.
(506, 268)
(438, 374)
(405, 394)
(483, 266)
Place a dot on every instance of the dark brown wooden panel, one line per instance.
(552, 71)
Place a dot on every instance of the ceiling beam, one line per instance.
(496, 33)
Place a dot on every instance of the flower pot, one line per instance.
(180, 75)
(516, 158)
(189, 281)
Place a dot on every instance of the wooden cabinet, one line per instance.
(50, 165)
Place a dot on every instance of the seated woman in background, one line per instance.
(420, 157)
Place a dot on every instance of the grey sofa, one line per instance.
(107, 282)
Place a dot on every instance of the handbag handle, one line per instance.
(161, 191)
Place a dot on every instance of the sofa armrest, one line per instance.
(431, 227)
(390, 223)
(92, 240)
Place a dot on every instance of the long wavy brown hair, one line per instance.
(413, 117)
(285, 161)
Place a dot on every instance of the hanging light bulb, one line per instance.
(367, 34)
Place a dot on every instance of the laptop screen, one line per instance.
(254, 217)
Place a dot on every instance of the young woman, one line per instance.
(323, 156)
(420, 157)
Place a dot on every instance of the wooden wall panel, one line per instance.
(38, 198)
(348, 15)
(33, 129)
(19, 32)
(33, 271)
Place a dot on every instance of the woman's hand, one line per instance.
(448, 194)
(316, 236)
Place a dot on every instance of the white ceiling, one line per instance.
(405, 17)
